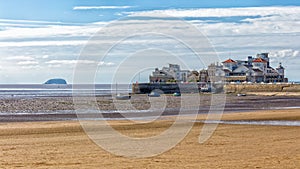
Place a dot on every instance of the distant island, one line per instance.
(56, 81)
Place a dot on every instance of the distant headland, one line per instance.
(56, 81)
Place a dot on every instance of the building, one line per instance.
(215, 73)
(253, 69)
(203, 76)
(160, 76)
(173, 73)
(193, 76)
(256, 70)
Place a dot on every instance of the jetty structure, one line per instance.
(253, 70)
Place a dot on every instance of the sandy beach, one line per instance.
(63, 144)
(149, 84)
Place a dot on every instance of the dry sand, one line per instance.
(65, 145)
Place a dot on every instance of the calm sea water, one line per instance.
(53, 90)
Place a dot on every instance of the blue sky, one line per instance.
(42, 39)
(62, 11)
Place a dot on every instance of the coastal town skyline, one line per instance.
(40, 40)
(255, 69)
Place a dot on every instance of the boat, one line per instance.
(154, 94)
(240, 94)
(123, 97)
(177, 94)
(205, 89)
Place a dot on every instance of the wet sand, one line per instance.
(63, 144)
(62, 108)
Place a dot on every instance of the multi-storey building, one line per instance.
(256, 69)
(170, 74)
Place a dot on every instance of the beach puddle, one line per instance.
(264, 122)
(281, 108)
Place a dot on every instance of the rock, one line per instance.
(56, 81)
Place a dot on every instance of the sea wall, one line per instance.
(143, 88)
(244, 88)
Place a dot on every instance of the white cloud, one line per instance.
(73, 62)
(287, 53)
(27, 21)
(49, 31)
(118, 14)
(31, 67)
(100, 7)
(220, 12)
(70, 61)
(43, 43)
(17, 58)
(106, 63)
(266, 19)
(43, 57)
(28, 62)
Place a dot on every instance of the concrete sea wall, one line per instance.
(143, 88)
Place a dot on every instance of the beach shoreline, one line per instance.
(63, 108)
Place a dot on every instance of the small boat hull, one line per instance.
(123, 97)
(240, 95)
(176, 94)
(154, 94)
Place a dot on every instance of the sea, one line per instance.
(28, 91)
(60, 90)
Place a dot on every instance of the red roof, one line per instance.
(229, 61)
(259, 60)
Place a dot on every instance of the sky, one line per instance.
(42, 39)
